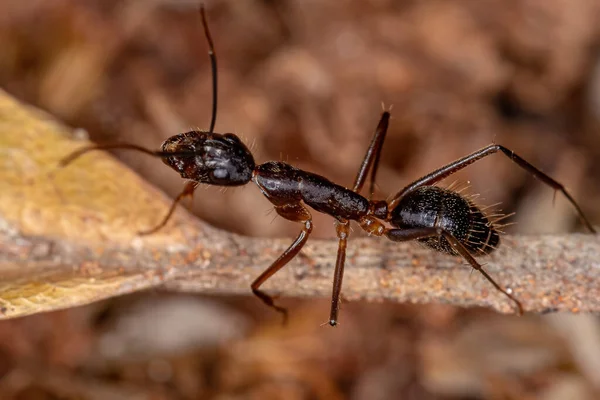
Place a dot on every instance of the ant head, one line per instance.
(213, 158)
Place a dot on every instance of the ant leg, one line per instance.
(368, 167)
(462, 250)
(342, 230)
(459, 164)
(293, 212)
(371, 161)
(188, 190)
(403, 235)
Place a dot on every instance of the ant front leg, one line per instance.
(459, 164)
(188, 191)
(293, 212)
(404, 235)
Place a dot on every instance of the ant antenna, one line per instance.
(213, 65)
(128, 146)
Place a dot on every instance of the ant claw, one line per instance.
(331, 322)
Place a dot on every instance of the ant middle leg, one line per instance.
(403, 235)
(370, 163)
(342, 230)
(293, 212)
(461, 163)
(188, 191)
(368, 168)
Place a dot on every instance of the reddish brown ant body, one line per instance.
(440, 218)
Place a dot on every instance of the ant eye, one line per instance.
(230, 137)
(219, 174)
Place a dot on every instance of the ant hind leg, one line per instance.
(403, 235)
(464, 162)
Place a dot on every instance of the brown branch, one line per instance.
(70, 239)
(546, 273)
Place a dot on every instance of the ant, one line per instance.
(440, 218)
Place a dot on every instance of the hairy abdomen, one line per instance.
(435, 207)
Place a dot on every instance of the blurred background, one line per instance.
(304, 82)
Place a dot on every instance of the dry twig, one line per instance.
(71, 239)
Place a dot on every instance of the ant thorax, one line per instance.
(283, 183)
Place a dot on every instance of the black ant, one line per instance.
(440, 218)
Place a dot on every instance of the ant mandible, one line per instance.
(441, 218)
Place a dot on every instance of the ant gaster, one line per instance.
(442, 219)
